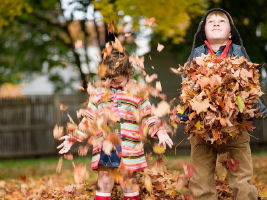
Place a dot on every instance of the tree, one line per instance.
(44, 36)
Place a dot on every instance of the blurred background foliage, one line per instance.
(37, 36)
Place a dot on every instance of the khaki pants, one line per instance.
(203, 158)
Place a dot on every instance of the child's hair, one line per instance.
(218, 13)
(117, 64)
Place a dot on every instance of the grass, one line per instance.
(38, 167)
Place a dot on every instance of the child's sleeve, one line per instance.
(81, 133)
(149, 123)
(262, 109)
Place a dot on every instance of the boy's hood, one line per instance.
(200, 34)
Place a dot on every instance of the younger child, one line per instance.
(219, 35)
(127, 154)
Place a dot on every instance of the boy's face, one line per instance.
(118, 81)
(217, 29)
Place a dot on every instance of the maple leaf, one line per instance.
(200, 105)
(160, 47)
(149, 21)
(233, 164)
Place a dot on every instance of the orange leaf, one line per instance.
(150, 21)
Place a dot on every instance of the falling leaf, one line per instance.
(158, 86)
(160, 47)
(148, 184)
(102, 70)
(59, 164)
(162, 109)
(64, 63)
(118, 45)
(111, 27)
(149, 21)
(63, 107)
(107, 147)
(58, 131)
(151, 78)
(240, 103)
(68, 156)
(158, 149)
(127, 34)
(175, 71)
(80, 173)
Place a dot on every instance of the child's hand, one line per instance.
(164, 138)
(66, 145)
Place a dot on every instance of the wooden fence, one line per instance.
(26, 125)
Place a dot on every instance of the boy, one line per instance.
(128, 153)
(219, 34)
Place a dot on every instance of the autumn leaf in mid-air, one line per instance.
(158, 149)
(160, 47)
(80, 173)
(150, 21)
(58, 131)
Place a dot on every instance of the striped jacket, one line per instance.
(132, 155)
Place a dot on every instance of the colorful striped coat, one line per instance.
(132, 155)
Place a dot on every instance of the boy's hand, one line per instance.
(66, 145)
(164, 138)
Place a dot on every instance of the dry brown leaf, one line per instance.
(59, 164)
(58, 131)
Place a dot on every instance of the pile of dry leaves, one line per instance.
(220, 94)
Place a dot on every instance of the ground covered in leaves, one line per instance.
(37, 179)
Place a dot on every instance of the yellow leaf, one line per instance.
(240, 103)
(263, 193)
(148, 184)
(158, 149)
(198, 125)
